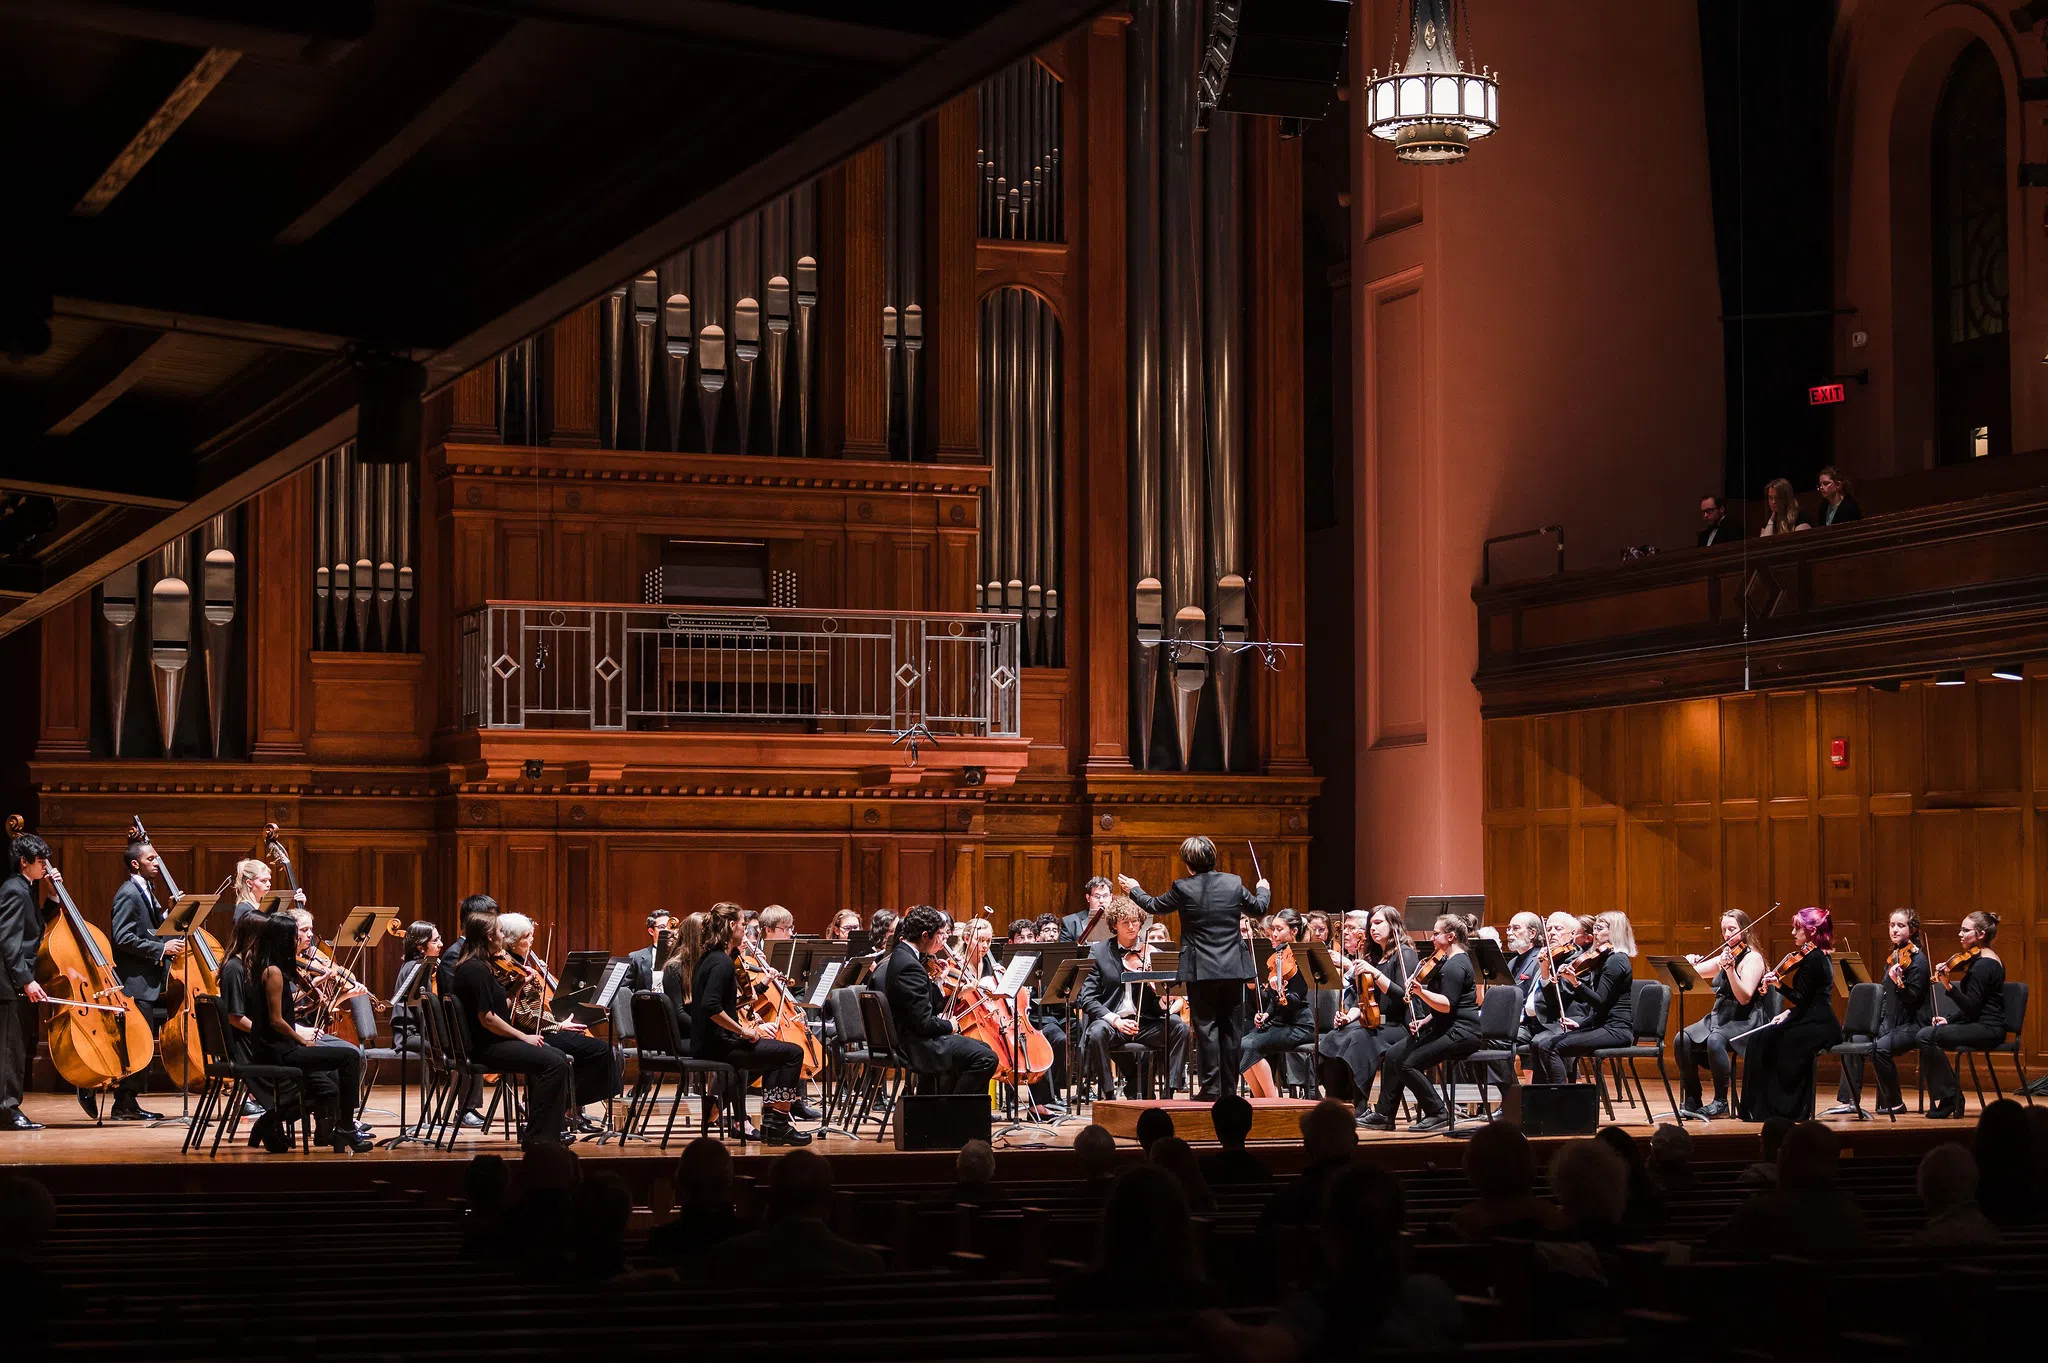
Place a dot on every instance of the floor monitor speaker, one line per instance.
(1553, 1109)
(943, 1121)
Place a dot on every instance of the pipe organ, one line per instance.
(363, 575)
(177, 617)
(1019, 155)
(1020, 382)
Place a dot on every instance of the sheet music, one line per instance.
(614, 973)
(1014, 974)
(408, 978)
(824, 984)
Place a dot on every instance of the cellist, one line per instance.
(21, 929)
(142, 959)
(1118, 1012)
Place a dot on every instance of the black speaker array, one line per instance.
(1282, 58)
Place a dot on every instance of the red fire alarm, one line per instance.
(1838, 752)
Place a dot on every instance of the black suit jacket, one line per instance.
(639, 970)
(1210, 906)
(1846, 512)
(916, 1007)
(1102, 991)
(138, 951)
(1073, 925)
(1727, 532)
(1523, 967)
(21, 932)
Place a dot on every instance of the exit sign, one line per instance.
(1822, 394)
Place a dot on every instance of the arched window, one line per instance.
(1973, 375)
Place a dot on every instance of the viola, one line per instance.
(1956, 965)
(1424, 975)
(97, 1034)
(198, 972)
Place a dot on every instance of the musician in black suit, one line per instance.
(1118, 1012)
(957, 1064)
(1215, 958)
(641, 965)
(21, 930)
(1095, 895)
(1525, 937)
(142, 960)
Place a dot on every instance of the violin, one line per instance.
(1956, 965)
(1421, 979)
(1280, 969)
(198, 972)
(1789, 963)
(98, 1035)
(1573, 973)
(1901, 958)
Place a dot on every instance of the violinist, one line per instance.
(1737, 969)
(1969, 1012)
(595, 1074)
(1902, 1011)
(1525, 935)
(1373, 1012)
(21, 931)
(642, 964)
(1118, 1013)
(1281, 1020)
(422, 944)
(680, 968)
(1598, 988)
(142, 959)
(334, 1074)
(845, 923)
(930, 1042)
(252, 882)
(479, 914)
(1777, 1071)
(1443, 1024)
(239, 1001)
(321, 982)
(497, 1044)
(718, 1032)
(1544, 1007)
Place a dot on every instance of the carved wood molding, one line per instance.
(627, 466)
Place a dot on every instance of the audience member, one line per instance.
(794, 1236)
(1177, 1157)
(1645, 1200)
(1095, 1148)
(1590, 1182)
(32, 1298)
(2005, 1164)
(1233, 1165)
(484, 1186)
(1671, 1158)
(536, 1222)
(600, 1211)
(1154, 1124)
(1145, 1251)
(974, 1176)
(1806, 1214)
(1329, 1137)
(1764, 1173)
(1783, 505)
(1947, 1183)
(1838, 504)
(1500, 1164)
(2037, 1141)
(1715, 527)
(704, 1218)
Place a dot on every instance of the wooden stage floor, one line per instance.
(70, 1149)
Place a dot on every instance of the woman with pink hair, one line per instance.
(1777, 1073)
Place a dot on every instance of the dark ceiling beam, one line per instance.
(281, 30)
(107, 368)
(499, 63)
(958, 66)
(302, 411)
(211, 69)
(111, 492)
(763, 27)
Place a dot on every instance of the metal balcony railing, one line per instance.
(550, 665)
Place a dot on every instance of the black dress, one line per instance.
(1709, 1038)
(1443, 1036)
(1777, 1072)
(334, 1074)
(1358, 1047)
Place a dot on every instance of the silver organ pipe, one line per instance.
(1223, 224)
(1018, 154)
(1019, 375)
(1141, 133)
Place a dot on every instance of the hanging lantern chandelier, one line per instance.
(1434, 106)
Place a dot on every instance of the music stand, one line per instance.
(412, 979)
(182, 919)
(364, 924)
(1492, 961)
(1850, 970)
(860, 942)
(782, 955)
(855, 972)
(814, 954)
(1684, 978)
(1071, 966)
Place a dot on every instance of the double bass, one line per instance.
(197, 973)
(98, 1035)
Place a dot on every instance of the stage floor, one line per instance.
(70, 1140)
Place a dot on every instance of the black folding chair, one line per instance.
(658, 1047)
(1859, 1034)
(228, 1083)
(1650, 1003)
(2015, 1021)
(887, 1069)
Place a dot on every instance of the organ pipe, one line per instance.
(1018, 154)
(1019, 375)
(1141, 259)
(363, 514)
(118, 608)
(170, 634)
(1223, 227)
(217, 582)
(1180, 324)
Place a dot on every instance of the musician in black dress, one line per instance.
(718, 1032)
(143, 961)
(1599, 1006)
(1378, 967)
(21, 932)
(1737, 970)
(478, 987)
(334, 1074)
(950, 1062)
(1777, 1056)
(1970, 1011)
(1282, 1020)
(1119, 1012)
(1903, 1010)
(1443, 1024)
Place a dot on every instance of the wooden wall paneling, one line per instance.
(572, 358)
(2000, 713)
(280, 623)
(1944, 887)
(912, 584)
(519, 562)
(473, 405)
(1842, 716)
(572, 578)
(1553, 868)
(952, 331)
(1845, 882)
(1646, 755)
(618, 566)
(1647, 847)
(1895, 736)
(1505, 744)
(1793, 881)
(1274, 456)
(1697, 893)
(1097, 561)
(1743, 871)
(1697, 751)
(1789, 743)
(1741, 751)
(1001, 877)
(823, 580)
(850, 375)
(1510, 872)
(920, 871)
(529, 884)
(1599, 758)
(1598, 865)
(1554, 762)
(65, 692)
(1949, 731)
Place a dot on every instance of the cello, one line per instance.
(198, 972)
(99, 1035)
(775, 1006)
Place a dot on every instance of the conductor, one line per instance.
(1215, 959)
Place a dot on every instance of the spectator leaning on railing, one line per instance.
(1785, 516)
(1838, 501)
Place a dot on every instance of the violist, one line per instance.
(1969, 1012)
(1443, 1001)
(1902, 1012)
(1598, 988)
